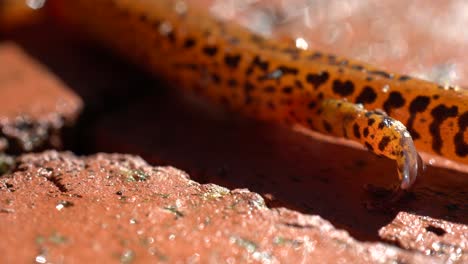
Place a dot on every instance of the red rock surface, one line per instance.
(289, 168)
(65, 208)
(35, 105)
(434, 237)
(60, 208)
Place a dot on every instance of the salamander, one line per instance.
(390, 114)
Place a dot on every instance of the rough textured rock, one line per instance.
(104, 82)
(435, 237)
(35, 105)
(50, 221)
(289, 169)
(56, 207)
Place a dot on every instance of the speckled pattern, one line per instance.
(276, 81)
(56, 207)
(434, 237)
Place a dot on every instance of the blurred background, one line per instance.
(426, 39)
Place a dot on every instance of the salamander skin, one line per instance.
(272, 80)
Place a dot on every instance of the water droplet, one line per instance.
(386, 88)
(41, 259)
(165, 28)
(302, 44)
(127, 256)
(63, 204)
(35, 4)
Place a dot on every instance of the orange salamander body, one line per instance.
(271, 80)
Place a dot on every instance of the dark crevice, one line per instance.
(436, 230)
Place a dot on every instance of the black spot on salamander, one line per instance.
(232, 83)
(312, 105)
(461, 147)
(189, 43)
(210, 50)
(370, 122)
(357, 133)
(327, 126)
(381, 73)
(287, 89)
(404, 78)
(367, 96)
(298, 84)
(394, 100)
(232, 61)
(343, 88)
(269, 89)
(288, 70)
(365, 132)
(314, 56)
(436, 97)
(317, 79)
(357, 67)
(320, 96)
(418, 105)
(384, 142)
(369, 146)
(263, 65)
(440, 113)
(257, 62)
